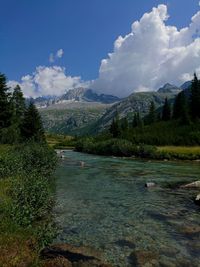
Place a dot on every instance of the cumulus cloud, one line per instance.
(47, 81)
(53, 57)
(152, 54)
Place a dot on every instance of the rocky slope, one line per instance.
(82, 111)
(72, 118)
(74, 110)
(75, 95)
(137, 102)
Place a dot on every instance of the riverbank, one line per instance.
(125, 148)
(26, 201)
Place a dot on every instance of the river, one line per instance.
(104, 204)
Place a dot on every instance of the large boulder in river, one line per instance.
(71, 256)
(197, 199)
(195, 184)
(150, 184)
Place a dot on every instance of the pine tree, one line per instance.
(18, 105)
(5, 110)
(124, 124)
(151, 117)
(137, 120)
(115, 128)
(195, 98)
(32, 127)
(180, 108)
(166, 112)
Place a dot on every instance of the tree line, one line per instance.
(185, 110)
(19, 121)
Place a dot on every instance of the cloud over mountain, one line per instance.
(152, 54)
(47, 81)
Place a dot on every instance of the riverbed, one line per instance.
(102, 202)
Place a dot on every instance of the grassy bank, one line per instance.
(25, 202)
(58, 141)
(125, 148)
(180, 152)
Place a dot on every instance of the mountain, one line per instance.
(169, 88)
(136, 102)
(186, 85)
(72, 117)
(82, 111)
(76, 109)
(88, 95)
(75, 95)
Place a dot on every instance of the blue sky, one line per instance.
(85, 29)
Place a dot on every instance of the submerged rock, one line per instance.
(195, 184)
(150, 184)
(190, 230)
(141, 258)
(71, 256)
(197, 199)
(57, 262)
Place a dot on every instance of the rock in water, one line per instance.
(197, 199)
(73, 256)
(150, 184)
(195, 184)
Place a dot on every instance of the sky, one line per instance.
(113, 46)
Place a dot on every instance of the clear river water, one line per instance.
(103, 203)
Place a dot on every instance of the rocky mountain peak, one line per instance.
(169, 88)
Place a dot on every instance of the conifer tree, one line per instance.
(137, 120)
(166, 112)
(124, 124)
(180, 108)
(5, 111)
(195, 98)
(151, 117)
(18, 105)
(32, 127)
(115, 128)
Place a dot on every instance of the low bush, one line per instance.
(26, 197)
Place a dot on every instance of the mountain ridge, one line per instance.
(82, 110)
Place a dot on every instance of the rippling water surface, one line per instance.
(105, 205)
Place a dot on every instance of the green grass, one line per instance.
(181, 149)
(180, 152)
(60, 141)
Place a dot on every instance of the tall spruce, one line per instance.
(32, 127)
(181, 109)
(5, 110)
(18, 105)
(124, 124)
(137, 120)
(195, 98)
(166, 111)
(152, 116)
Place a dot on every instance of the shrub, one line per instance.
(31, 199)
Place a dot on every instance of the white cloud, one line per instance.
(151, 55)
(51, 58)
(47, 81)
(58, 54)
